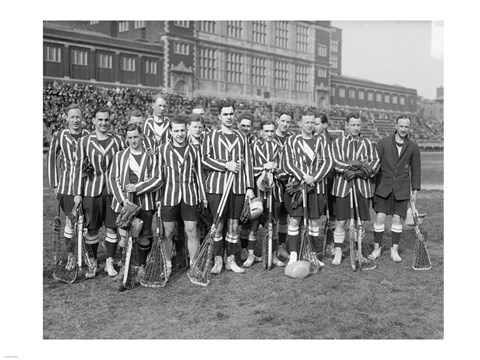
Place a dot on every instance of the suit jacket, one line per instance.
(399, 174)
(294, 163)
(62, 148)
(101, 159)
(156, 139)
(148, 183)
(182, 179)
(343, 150)
(217, 150)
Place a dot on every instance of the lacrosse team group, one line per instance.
(183, 168)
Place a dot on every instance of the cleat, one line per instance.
(394, 255)
(337, 259)
(109, 269)
(217, 267)
(232, 265)
(277, 262)
(293, 257)
(375, 254)
(250, 259)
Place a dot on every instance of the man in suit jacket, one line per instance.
(397, 180)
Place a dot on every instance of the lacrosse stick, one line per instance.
(199, 271)
(127, 280)
(422, 258)
(363, 263)
(353, 235)
(327, 231)
(267, 238)
(156, 267)
(306, 249)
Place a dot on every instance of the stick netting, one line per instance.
(129, 261)
(156, 266)
(308, 253)
(365, 250)
(66, 269)
(199, 272)
(422, 258)
(353, 246)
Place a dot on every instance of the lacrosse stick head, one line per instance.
(256, 208)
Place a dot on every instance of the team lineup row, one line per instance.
(181, 165)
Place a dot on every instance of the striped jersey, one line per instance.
(90, 151)
(157, 132)
(61, 161)
(148, 179)
(300, 159)
(217, 150)
(182, 175)
(344, 150)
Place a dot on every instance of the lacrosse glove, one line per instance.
(124, 219)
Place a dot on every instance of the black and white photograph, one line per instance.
(230, 183)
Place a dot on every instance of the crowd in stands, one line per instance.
(57, 97)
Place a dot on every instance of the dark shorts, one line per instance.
(281, 213)
(98, 211)
(315, 205)
(343, 208)
(147, 217)
(390, 205)
(66, 203)
(331, 200)
(233, 207)
(181, 211)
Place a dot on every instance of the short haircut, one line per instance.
(403, 116)
(225, 104)
(194, 118)
(353, 115)
(286, 112)
(179, 119)
(101, 109)
(197, 106)
(267, 122)
(247, 116)
(135, 113)
(308, 113)
(73, 107)
(133, 127)
(159, 96)
(323, 118)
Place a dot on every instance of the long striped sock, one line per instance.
(292, 237)
(92, 245)
(378, 231)
(314, 232)
(396, 230)
(338, 238)
(68, 234)
(111, 244)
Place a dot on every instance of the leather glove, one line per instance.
(349, 175)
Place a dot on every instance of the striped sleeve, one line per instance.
(202, 187)
(208, 152)
(152, 182)
(52, 161)
(115, 178)
(340, 163)
(77, 173)
(249, 180)
(289, 161)
(326, 161)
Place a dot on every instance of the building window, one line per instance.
(394, 99)
(402, 100)
(351, 93)
(184, 24)
(234, 68)
(281, 34)
(259, 72)
(379, 97)
(93, 22)
(333, 90)
(128, 64)
(259, 33)
(181, 48)
(334, 45)
(105, 61)
(234, 29)
(302, 38)
(123, 26)
(281, 74)
(341, 92)
(301, 78)
(387, 98)
(80, 57)
(334, 61)
(53, 54)
(369, 96)
(208, 63)
(322, 50)
(151, 67)
(361, 95)
(139, 24)
(322, 72)
(207, 26)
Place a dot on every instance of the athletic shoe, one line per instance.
(257, 258)
(293, 257)
(277, 262)
(217, 267)
(250, 259)
(244, 254)
(70, 262)
(337, 259)
(169, 271)
(375, 254)
(282, 252)
(232, 265)
(394, 255)
(92, 272)
(109, 267)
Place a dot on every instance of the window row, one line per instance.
(360, 95)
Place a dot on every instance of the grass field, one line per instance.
(391, 302)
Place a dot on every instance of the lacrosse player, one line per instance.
(181, 171)
(62, 152)
(156, 127)
(134, 171)
(196, 131)
(225, 151)
(266, 155)
(136, 117)
(356, 162)
(282, 132)
(92, 189)
(399, 175)
(307, 160)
